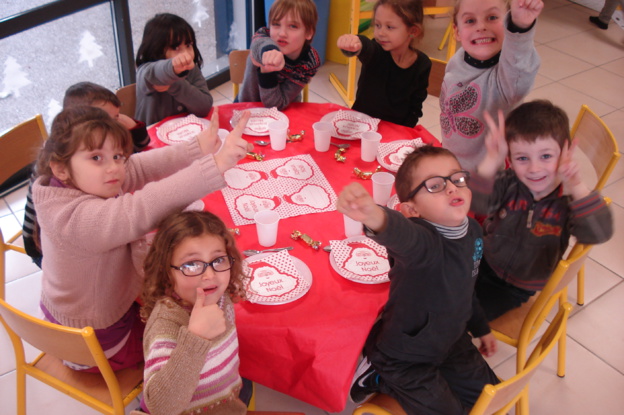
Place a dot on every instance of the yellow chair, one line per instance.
(19, 147)
(519, 326)
(238, 62)
(109, 392)
(127, 96)
(436, 77)
(494, 399)
(498, 399)
(597, 142)
(348, 93)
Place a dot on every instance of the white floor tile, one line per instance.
(590, 386)
(599, 321)
(609, 254)
(600, 84)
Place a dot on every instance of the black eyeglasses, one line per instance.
(437, 184)
(195, 268)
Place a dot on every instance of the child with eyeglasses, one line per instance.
(95, 202)
(419, 351)
(193, 272)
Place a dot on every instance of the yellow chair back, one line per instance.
(109, 392)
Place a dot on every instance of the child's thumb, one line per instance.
(200, 297)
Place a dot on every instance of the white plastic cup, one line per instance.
(382, 187)
(352, 227)
(267, 222)
(370, 143)
(278, 132)
(322, 135)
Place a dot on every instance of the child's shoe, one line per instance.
(365, 382)
(595, 20)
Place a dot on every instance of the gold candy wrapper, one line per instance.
(339, 156)
(365, 175)
(255, 156)
(305, 238)
(234, 231)
(293, 138)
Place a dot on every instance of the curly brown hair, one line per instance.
(175, 228)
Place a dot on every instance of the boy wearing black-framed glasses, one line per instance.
(419, 351)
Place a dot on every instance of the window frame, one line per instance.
(120, 14)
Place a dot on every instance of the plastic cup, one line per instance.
(278, 132)
(267, 222)
(370, 143)
(322, 135)
(352, 227)
(382, 187)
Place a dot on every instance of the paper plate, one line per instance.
(258, 124)
(351, 276)
(391, 154)
(179, 130)
(349, 125)
(304, 273)
(393, 202)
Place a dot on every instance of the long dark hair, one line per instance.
(164, 31)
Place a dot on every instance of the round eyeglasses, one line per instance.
(437, 184)
(195, 268)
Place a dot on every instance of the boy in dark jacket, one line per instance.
(533, 207)
(419, 351)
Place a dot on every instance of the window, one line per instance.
(47, 46)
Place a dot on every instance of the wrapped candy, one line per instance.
(234, 231)
(365, 175)
(255, 156)
(296, 235)
(292, 138)
(339, 156)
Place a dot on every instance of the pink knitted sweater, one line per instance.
(89, 274)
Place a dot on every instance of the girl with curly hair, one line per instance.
(193, 273)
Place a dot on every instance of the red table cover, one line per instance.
(308, 348)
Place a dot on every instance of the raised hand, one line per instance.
(161, 88)
(355, 202)
(207, 320)
(208, 139)
(235, 146)
(495, 145)
(182, 62)
(350, 43)
(524, 12)
(569, 172)
(272, 61)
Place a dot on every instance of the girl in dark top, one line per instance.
(395, 74)
(169, 77)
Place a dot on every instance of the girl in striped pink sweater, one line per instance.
(193, 272)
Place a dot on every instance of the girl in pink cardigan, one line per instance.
(95, 201)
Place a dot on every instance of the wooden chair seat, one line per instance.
(511, 322)
(92, 384)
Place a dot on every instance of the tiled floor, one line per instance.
(580, 65)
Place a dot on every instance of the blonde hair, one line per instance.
(458, 4)
(175, 228)
(411, 13)
(303, 9)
